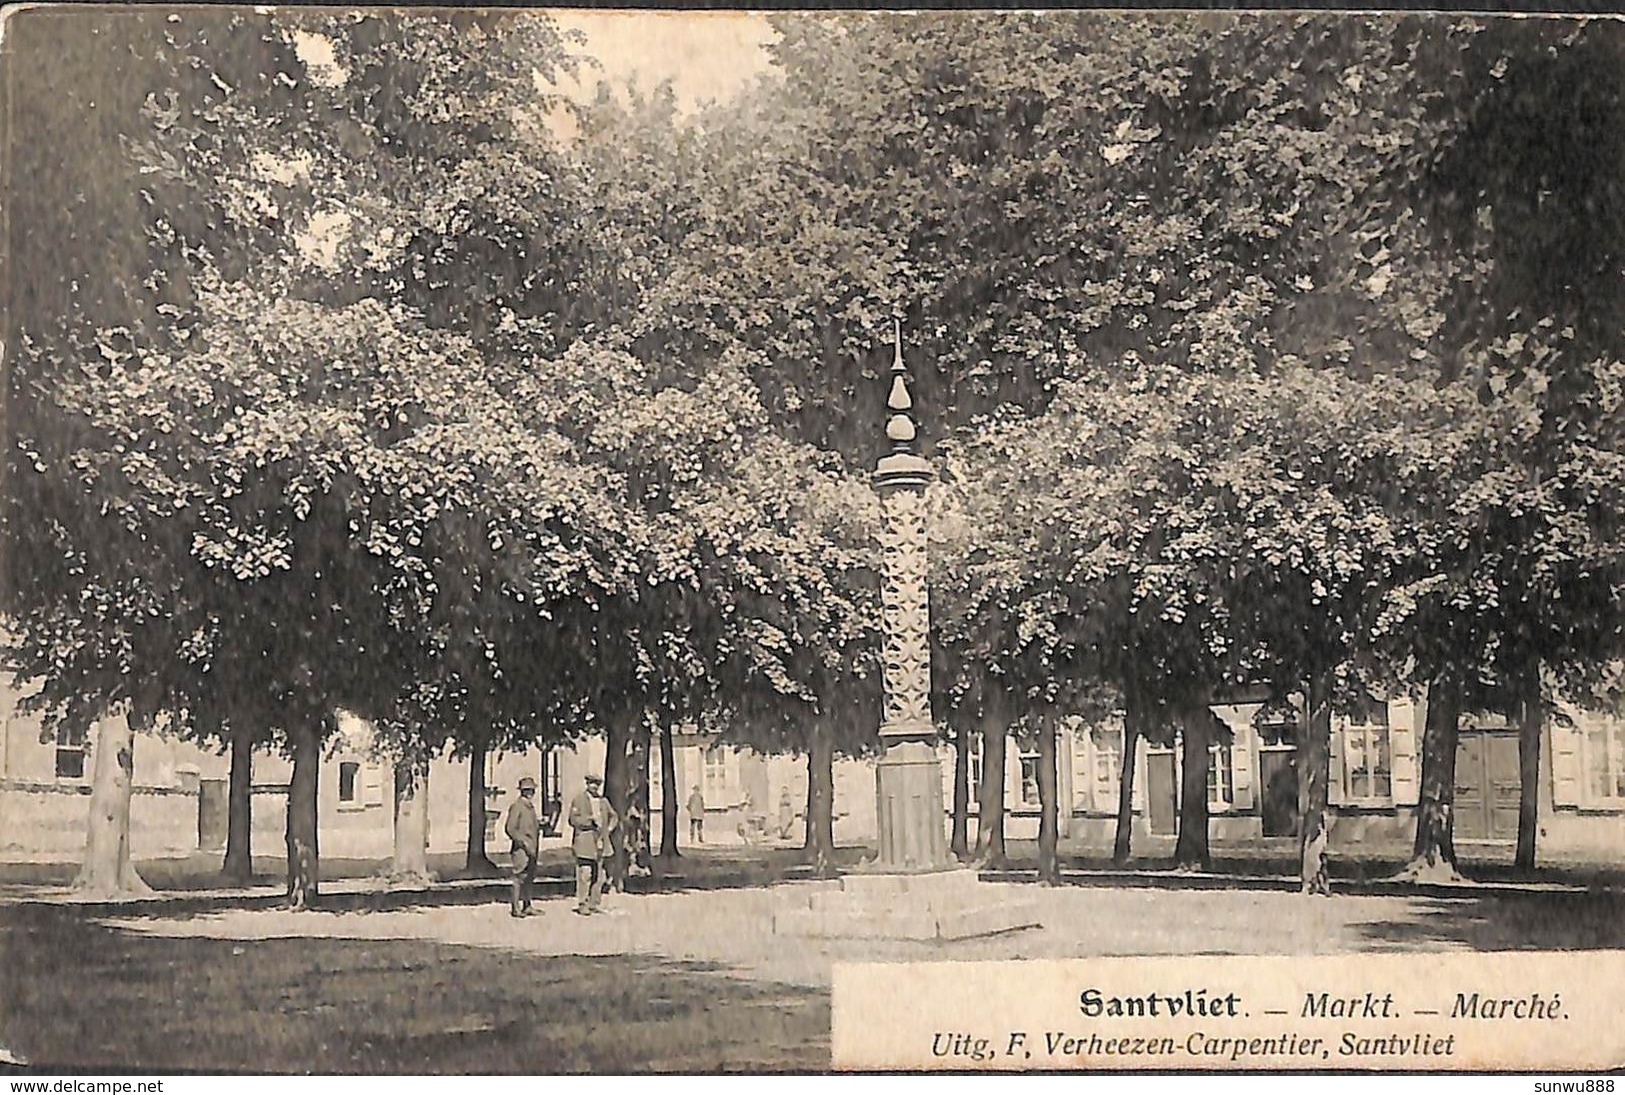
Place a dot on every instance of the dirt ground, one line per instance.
(83, 996)
(685, 982)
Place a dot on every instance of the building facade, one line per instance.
(178, 806)
(1374, 781)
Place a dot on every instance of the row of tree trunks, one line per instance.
(477, 862)
(819, 846)
(959, 841)
(1049, 860)
(1195, 734)
(1433, 856)
(669, 793)
(239, 862)
(305, 745)
(990, 849)
(410, 863)
(1314, 775)
(637, 800)
(618, 789)
(1531, 716)
(107, 869)
(1134, 720)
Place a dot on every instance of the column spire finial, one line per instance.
(900, 424)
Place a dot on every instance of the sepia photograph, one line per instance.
(584, 541)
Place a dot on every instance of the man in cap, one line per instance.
(696, 816)
(592, 820)
(525, 831)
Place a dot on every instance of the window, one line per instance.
(552, 776)
(70, 753)
(1603, 759)
(1277, 726)
(1029, 777)
(1368, 766)
(1221, 777)
(716, 776)
(1107, 771)
(349, 773)
(975, 753)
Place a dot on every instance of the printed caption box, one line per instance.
(1409, 1013)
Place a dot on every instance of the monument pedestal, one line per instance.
(913, 889)
(935, 907)
(908, 810)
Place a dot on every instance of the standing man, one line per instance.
(696, 816)
(592, 820)
(524, 831)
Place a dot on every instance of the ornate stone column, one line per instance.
(908, 776)
(912, 889)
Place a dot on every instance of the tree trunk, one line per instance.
(410, 862)
(618, 790)
(669, 792)
(1049, 863)
(477, 862)
(1195, 730)
(1531, 715)
(820, 844)
(239, 862)
(1133, 721)
(305, 743)
(1314, 779)
(960, 842)
(637, 830)
(1433, 856)
(107, 870)
(990, 850)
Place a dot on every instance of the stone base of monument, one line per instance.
(935, 906)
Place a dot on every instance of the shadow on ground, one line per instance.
(701, 868)
(1553, 921)
(83, 996)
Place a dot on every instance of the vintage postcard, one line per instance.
(584, 541)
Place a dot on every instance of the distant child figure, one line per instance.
(696, 816)
(752, 826)
(787, 814)
(637, 843)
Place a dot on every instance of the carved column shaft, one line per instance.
(906, 614)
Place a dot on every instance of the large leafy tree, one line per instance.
(1523, 196)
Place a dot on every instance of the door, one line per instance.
(1487, 787)
(1501, 759)
(1161, 792)
(1278, 769)
(212, 812)
(1472, 814)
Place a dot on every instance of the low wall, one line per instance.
(343, 833)
(1353, 829)
(46, 822)
(1591, 836)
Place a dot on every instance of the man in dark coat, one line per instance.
(525, 832)
(592, 820)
